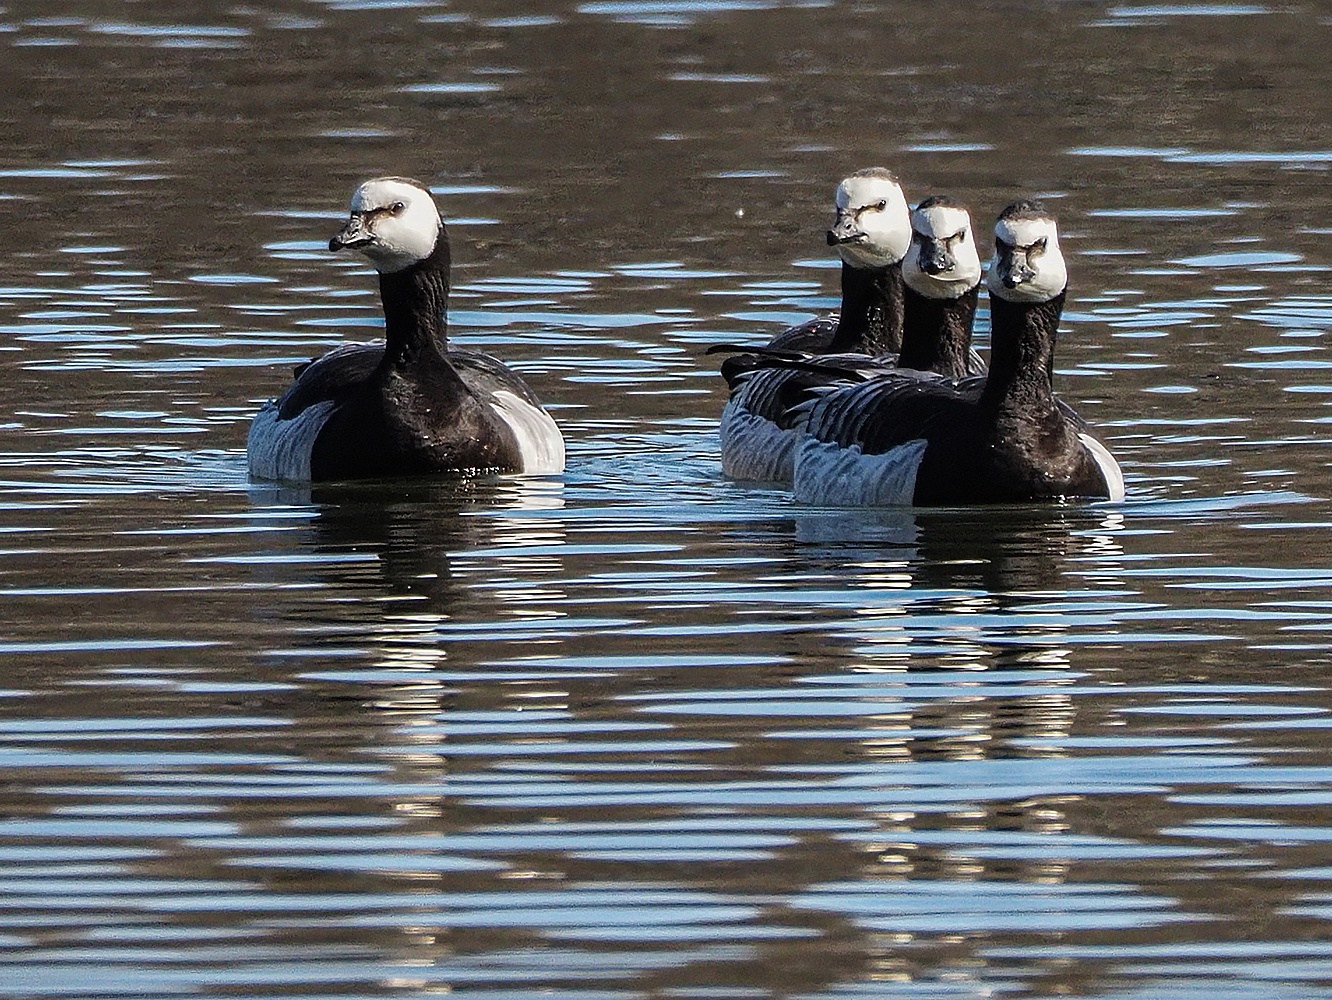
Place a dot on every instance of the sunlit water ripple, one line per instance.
(638, 731)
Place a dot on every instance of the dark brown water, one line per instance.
(640, 732)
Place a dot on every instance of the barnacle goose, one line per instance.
(940, 277)
(411, 404)
(942, 272)
(895, 439)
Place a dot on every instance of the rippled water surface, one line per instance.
(640, 732)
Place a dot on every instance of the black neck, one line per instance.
(872, 308)
(1022, 343)
(416, 305)
(936, 334)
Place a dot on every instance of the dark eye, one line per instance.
(881, 206)
(1037, 248)
(960, 236)
(397, 208)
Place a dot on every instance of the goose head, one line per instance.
(942, 261)
(1028, 265)
(873, 224)
(393, 221)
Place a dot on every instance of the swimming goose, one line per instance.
(871, 232)
(941, 274)
(941, 277)
(411, 404)
(1003, 438)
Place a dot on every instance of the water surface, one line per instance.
(637, 731)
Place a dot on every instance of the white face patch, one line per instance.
(401, 220)
(874, 211)
(949, 229)
(1030, 260)
(940, 221)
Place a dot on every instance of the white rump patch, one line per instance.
(754, 448)
(829, 475)
(539, 440)
(279, 450)
(1110, 470)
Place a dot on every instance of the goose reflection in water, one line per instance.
(1006, 550)
(962, 657)
(410, 539)
(402, 563)
(407, 568)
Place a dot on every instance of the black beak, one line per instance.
(844, 230)
(1013, 268)
(934, 256)
(1017, 273)
(355, 234)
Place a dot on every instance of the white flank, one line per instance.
(279, 450)
(1114, 475)
(756, 449)
(828, 475)
(539, 439)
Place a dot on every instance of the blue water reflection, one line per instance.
(640, 731)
